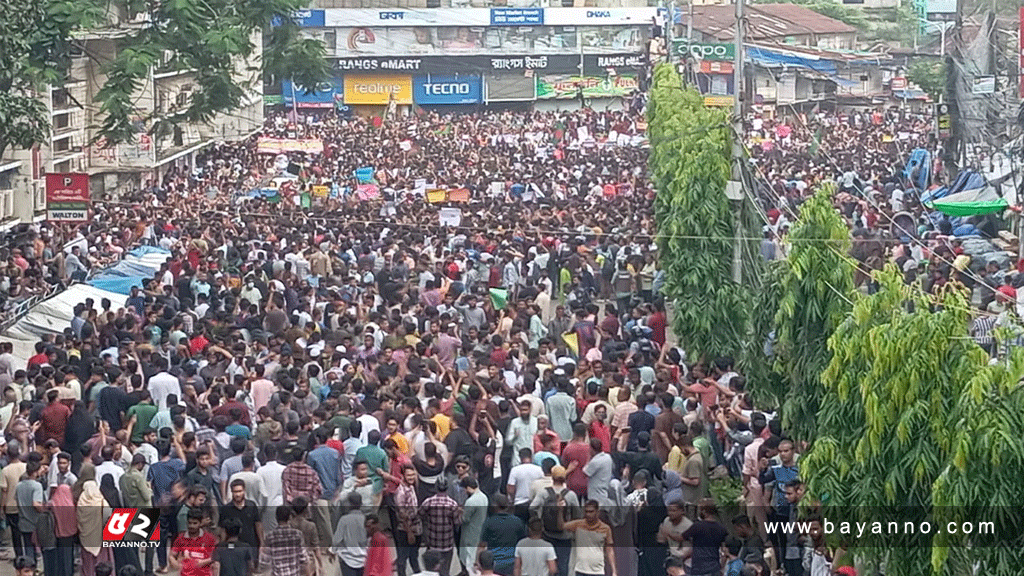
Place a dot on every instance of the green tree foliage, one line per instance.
(689, 164)
(33, 52)
(211, 38)
(850, 15)
(929, 76)
(816, 283)
(208, 37)
(915, 425)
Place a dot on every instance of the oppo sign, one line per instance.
(707, 50)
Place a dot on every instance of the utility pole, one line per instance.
(737, 148)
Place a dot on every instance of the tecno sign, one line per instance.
(391, 15)
(456, 89)
(599, 14)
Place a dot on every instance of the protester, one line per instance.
(347, 372)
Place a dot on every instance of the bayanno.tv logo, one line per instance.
(132, 528)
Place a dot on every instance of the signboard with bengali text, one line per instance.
(67, 197)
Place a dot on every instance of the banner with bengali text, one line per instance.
(266, 145)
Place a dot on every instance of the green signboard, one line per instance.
(272, 99)
(720, 51)
(563, 86)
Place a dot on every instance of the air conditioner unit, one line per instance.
(6, 204)
(39, 196)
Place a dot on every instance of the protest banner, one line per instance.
(266, 145)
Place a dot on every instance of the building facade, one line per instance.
(72, 146)
(452, 57)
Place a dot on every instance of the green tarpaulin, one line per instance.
(971, 203)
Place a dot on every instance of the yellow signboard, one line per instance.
(378, 89)
(718, 100)
(321, 191)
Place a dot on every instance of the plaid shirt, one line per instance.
(299, 479)
(407, 504)
(283, 553)
(442, 515)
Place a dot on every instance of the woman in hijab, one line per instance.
(81, 427)
(122, 556)
(673, 488)
(61, 560)
(622, 519)
(92, 514)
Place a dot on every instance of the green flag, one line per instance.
(815, 144)
(499, 298)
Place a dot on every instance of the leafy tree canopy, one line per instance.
(210, 38)
(916, 425)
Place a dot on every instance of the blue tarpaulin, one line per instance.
(773, 59)
(118, 284)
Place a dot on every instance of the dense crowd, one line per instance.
(354, 388)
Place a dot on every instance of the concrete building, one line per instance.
(453, 54)
(112, 169)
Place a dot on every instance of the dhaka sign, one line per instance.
(720, 51)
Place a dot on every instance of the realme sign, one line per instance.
(378, 89)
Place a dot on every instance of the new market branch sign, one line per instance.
(67, 197)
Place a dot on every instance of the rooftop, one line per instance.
(766, 21)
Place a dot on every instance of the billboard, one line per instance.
(378, 89)
(499, 41)
(483, 63)
(564, 86)
(67, 197)
(447, 89)
(510, 88)
(499, 16)
(322, 96)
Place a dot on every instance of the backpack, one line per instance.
(550, 510)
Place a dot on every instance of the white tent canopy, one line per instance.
(53, 315)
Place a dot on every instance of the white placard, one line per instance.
(450, 216)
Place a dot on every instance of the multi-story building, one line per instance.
(471, 53)
(113, 169)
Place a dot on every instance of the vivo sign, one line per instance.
(391, 15)
(447, 89)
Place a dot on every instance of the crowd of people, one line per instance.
(355, 389)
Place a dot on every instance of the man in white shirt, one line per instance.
(162, 384)
(273, 489)
(520, 480)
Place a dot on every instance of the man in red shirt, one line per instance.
(192, 552)
(599, 428)
(657, 322)
(40, 357)
(54, 417)
(575, 456)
